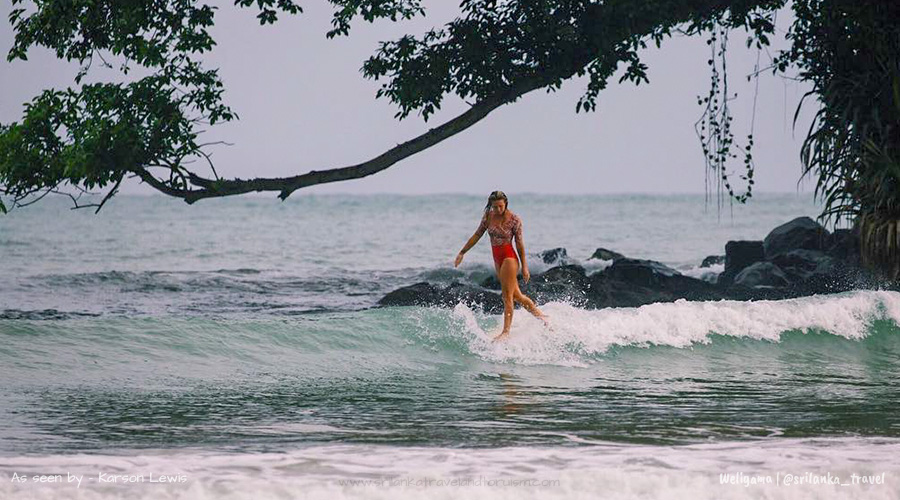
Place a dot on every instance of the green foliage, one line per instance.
(370, 10)
(144, 32)
(496, 46)
(850, 52)
(268, 9)
(93, 135)
(345, 11)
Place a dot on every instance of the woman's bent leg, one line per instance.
(527, 303)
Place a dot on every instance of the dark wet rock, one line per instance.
(713, 260)
(805, 260)
(827, 277)
(418, 294)
(606, 291)
(686, 287)
(604, 254)
(572, 273)
(817, 272)
(567, 283)
(634, 282)
(761, 274)
(472, 296)
(640, 272)
(739, 255)
(427, 294)
(626, 286)
(800, 233)
(842, 279)
(805, 264)
(569, 273)
(556, 256)
(626, 283)
(844, 246)
(609, 292)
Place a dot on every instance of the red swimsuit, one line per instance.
(502, 235)
(503, 251)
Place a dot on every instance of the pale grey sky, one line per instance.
(304, 105)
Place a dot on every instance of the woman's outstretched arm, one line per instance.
(472, 241)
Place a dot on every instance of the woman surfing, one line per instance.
(502, 225)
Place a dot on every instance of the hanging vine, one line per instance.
(714, 128)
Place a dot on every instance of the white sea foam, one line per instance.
(579, 333)
(605, 470)
(709, 273)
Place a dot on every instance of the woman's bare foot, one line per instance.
(543, 318)
(503, 335)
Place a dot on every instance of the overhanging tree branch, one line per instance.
(592, 42)
(493, 55)
(286, 185)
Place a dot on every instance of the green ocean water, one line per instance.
(419, 376)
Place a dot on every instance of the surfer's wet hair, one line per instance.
(496, 195)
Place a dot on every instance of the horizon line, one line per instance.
(274, 196)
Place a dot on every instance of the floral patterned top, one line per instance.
(502, 233)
